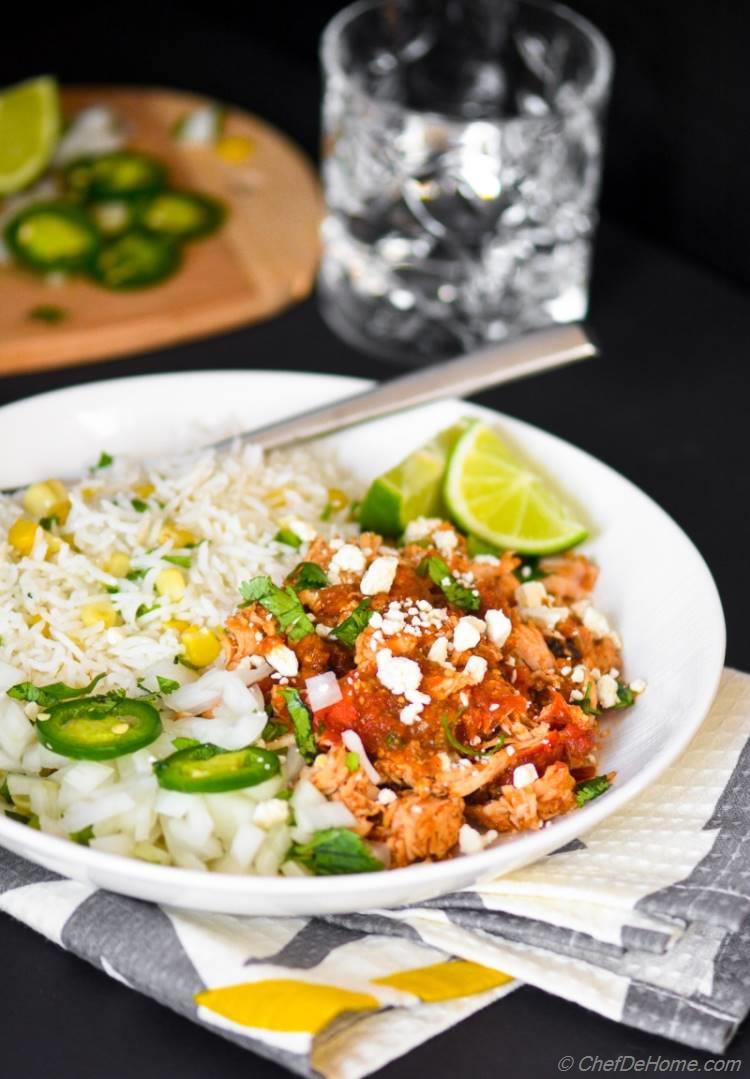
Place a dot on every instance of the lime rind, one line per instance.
(498, 499)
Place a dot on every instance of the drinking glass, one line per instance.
(461, 162)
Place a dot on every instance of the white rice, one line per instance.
(234, 504)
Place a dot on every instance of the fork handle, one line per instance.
(526, 355)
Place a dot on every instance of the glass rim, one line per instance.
(595, 91)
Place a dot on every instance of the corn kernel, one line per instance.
(53, 543)
(88, 492)
(337, 498)
(178, 537)
(94, 613)
(143, 490)
(170, 583)
(201, 646)
(177, 624)
(234, 148)
(22, 535)
(39, 498)
(118, 564)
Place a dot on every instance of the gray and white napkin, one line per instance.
(646, 920)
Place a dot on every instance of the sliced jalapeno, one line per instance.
(51, 236)
(134, 260)
(181, 215)
(207, 769)
(99, 728)
(122, 174)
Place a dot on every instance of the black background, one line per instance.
(666, 405)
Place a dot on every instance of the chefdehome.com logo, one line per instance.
(626, 1062)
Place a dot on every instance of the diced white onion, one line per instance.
(353, 742)
(234, 733)
(323, 690)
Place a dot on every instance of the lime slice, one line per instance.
(414, 488)
(29, 129)
(493, 495)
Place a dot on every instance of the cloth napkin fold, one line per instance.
(645, 920)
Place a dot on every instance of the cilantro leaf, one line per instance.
(348, 630)
(136, 574)
(529, 570)
(589, 789)
(302, 721)
(84, 836)
(105, 460)
(308, 575)
(139, 505)
(145, 608)
(335, 850)
(183, 560)
(282, 603)
(586, 705)
(45, 696)
(456, 593)
(48, 523)
(287, 537)
(625, 696)
(167, 685)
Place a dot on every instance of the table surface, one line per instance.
(666, 405)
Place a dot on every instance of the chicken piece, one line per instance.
(430, 776)
(569, 577)
(332, 777)
(521, 808)
(246, 629)
(418, 828)
(527, 643)
(603, 653)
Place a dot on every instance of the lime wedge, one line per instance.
(414, 488)
(493, 495)
(29, 129)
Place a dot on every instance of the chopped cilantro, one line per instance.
(47, 312)
(591, 788)
(84, 836)
(529, 570)
(586, 705)
(456, 593)
(308, 575)
(5, 793)
(327, 513)
(167, 685)
(273, 730)
(183, 560)
(139, 505)
(136, 574)
(352, 761)
(145, 608)
(48, 523)
(335, 850)
(32, 821)
(302, 721)
(282, 603)
(348, 630)
(45, 696)
(287, 537)
(105, 460)
(625, 696)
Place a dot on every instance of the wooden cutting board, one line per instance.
(262, 259)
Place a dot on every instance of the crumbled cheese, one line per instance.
(410, 714)
(379, 576)
(565, 671)
(467, 633)
(323, 631)
(376, 620)
(283, 660)
(386, 796)
(579, 674)
(392, 626)
(445, 762)
(606, 691)
(438, 652)
(576, 695)
(596, 623)
(421, 528)
(414, 696)
(510, 751)
(274, 811)
(348, 559)
(638, 686)
(475, 669)
(397, 673)
(498, 627)
(524, 775)
(548, 617)
(300, 528)
(532, 594)
(469, 840)
(487, 559)
(445, 540)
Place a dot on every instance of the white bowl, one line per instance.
(654, 585)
